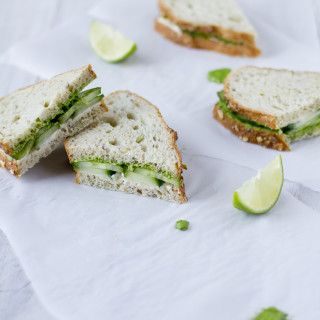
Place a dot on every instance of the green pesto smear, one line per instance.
(210, 36)
(219, 75)
(271, 314)
(182, 225)
(77, 103)
(294, 131)
(124, 167)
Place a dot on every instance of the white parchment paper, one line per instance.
(97, 254)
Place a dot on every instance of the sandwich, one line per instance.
(217, 25)
(270, 107)
(36, 119)
(131, 149)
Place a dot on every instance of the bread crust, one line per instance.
(208, 29)
(262, 138)
(10, 164)
(208, 44)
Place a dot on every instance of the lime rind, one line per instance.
(108, 44)
(243, 204)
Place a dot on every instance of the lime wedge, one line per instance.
(260, 194)
(108, 44)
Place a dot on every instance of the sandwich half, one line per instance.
(131, 149)
(270, 107)
(36, 119)
(217, 25)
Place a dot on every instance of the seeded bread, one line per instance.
(187, 40)
(133, 131)
(222, 18)
(83, 120)
(21, 110)
(262, 138)
(275, 98)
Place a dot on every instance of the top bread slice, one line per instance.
(23, 109)
(133, 131)
(271, 97)
(222, 18)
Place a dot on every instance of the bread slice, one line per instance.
(133, 136)
(217, 25)
(274, 98)
(270, 107)
(29, 112)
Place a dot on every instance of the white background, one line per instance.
(96, 254)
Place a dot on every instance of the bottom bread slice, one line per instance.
(262, 138)
(118, 182)
(208, 44)
(72, 127)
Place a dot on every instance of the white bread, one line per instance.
(275, 98)
(223, 18)
(20, 109)
(133, 131)
(71, 127)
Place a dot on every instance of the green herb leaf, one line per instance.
(219, 75)
(182, 225)
(271, 314)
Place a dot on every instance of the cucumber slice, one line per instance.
(25, 151)
(66, 116)
(87, 95)
(96, 171)
(82, 107)
(143, 179)
(87, 99)
(44, 134)
(83, 165)
(150, 173)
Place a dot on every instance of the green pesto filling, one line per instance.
(294, 131)
(271, 314)
(166, 176)
(77, 102)
(208, 36)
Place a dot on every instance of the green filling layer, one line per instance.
(209, 36)
(77, 103)
(294, 131)
(130, 170)
(271, 314)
